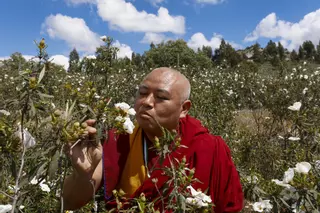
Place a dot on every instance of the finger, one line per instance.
(91, 122)
(91, 130)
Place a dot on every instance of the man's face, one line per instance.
(159, 100)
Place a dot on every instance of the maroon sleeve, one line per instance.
(214, 167)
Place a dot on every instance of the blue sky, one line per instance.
(135, 23)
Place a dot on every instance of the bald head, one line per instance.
(174, 77)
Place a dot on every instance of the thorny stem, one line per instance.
(16, 189)
(162, 201)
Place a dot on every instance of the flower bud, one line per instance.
(76, 124)
(84, 125)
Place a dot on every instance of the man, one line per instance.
(162, 99)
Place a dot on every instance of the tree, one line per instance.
(257, 54)
(226, 55)
(317, 57)
(294, 56)
(136, 59)
(302, 53)
(74, 61)
(207, 50)
(174, 53)
(309, 49)
(281, 51)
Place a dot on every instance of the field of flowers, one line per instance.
(270, 120)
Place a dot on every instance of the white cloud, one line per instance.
(124, 50)
(156, 38)
(4, 58)
(26, 57)
(30, 57)
(210, 1)
(60, 60)
(290, 34)
(198, 40)
(155, 3)
(122, 15)
(74, 31)
(90, 57)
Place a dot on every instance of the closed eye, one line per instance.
(162, 98)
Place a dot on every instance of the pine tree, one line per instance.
(257, 55)
(74, 61)
(317, 57)
(271, 50)
(309, 49)
(281, 51)
(294, 56)
(301, 53)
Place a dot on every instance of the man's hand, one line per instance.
(86, 159)
(86, 155)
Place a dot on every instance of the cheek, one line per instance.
(137, 104)
(168, 112)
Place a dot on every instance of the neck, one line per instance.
(150, 136)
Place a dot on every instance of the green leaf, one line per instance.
(41, 74)
(53, 167)
(41, 169)
(285, 203)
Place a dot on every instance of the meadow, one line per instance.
(268, 115)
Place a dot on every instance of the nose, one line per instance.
(149, 101)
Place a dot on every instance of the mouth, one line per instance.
(145, 115)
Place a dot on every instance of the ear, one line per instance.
(185, 108)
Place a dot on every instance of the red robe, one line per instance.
(208, 154)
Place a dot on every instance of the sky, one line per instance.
(134, 24)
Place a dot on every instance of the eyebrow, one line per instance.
(158, 90)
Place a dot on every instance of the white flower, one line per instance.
(131, 111)
(305, 90)
(97, 97)
(119, 118)
(5, 208)
(261, 206)
(128, 126)
(28, 140)
(44, 187)
(281, 183)
(288, 175)
(124, 106)
(34, 181)
(198, 198)
(303, 167)
(2, 111)
(293, 138)
(295, 107)
(21, 207)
